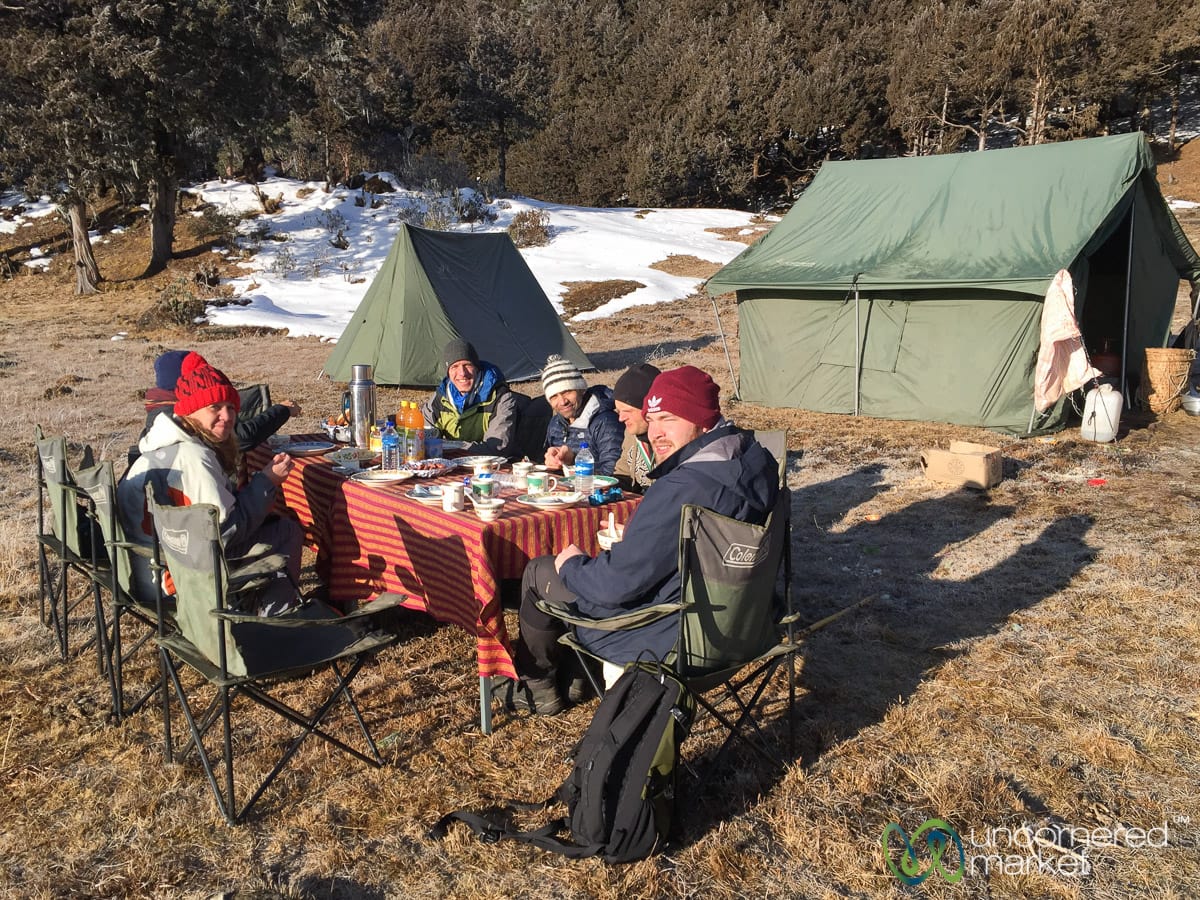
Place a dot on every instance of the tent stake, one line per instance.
(737, 394)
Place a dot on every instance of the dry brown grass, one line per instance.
(584, 296)
(687, 266)
(1030, 658)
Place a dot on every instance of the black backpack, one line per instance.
(620, 794)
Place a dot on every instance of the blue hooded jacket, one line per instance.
(598, 424)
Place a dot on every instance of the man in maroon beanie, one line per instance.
(702, 460)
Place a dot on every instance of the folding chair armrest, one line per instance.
(384, 603)
(261, 567)
(380, 604)
(139, 549)
(620, 622)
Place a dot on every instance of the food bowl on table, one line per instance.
(488, 509)
(352, 457)
(606, 538)
(428, 468)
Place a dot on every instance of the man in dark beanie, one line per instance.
(473, 403)
(637, 456)
(702, 460)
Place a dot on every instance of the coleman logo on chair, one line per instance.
(176, 539)
(50, 464)
(741, 556)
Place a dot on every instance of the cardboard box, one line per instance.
(964, 464)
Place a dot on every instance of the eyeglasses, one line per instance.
(600, 496)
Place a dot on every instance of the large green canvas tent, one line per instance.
(435, 286)
(912, 288)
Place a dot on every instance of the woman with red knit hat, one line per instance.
(191, 456)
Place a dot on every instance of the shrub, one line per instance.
(530, 228)
(439, 216)
(283, 263)
(471, 206)
(176, 305)
(216, 224)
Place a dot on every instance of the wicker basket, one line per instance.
(1165, 377)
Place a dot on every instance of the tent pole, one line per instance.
(737, 394)
(857, 346)
(1128, 291)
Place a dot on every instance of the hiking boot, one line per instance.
(539, 696)
(573, 682)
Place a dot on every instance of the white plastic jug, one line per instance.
(1101, 414)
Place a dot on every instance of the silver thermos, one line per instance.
(362, 403)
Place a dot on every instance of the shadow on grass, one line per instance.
(854, 671)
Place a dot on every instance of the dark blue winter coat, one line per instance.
(597, 424)
(724, 470)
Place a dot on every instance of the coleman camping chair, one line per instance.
(65, 548)
(732, 635)
(98, 485)
(240, 654)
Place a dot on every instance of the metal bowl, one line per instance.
(1190, 403)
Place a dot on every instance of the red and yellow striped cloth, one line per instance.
(372, 540)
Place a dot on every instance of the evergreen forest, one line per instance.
(597, 102)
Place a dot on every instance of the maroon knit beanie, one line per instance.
(201, 385)
(686, 392)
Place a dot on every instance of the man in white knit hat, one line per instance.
(580, 414)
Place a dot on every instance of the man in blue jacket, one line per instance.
(703, 460)
(580, 414)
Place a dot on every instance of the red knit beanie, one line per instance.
(686, 392)
(201, 385)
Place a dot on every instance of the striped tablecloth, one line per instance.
(371, 540)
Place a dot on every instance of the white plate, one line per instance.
(598, 481)
(376, 477)
(448, 444)
(429, 495)
(307, 448)
(551, 501)
(470, 462)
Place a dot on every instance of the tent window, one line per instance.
(881, 324)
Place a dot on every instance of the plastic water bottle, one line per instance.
(585, 470)
(389, 444)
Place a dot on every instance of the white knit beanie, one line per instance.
(561, 375)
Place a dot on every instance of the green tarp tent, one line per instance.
(912, 288)
(438, 285)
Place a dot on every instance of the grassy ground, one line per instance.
(1027, 669)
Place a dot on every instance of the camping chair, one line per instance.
(245, 655)
(254, 399)
(65, 547)
(731, 635)
(98, 484)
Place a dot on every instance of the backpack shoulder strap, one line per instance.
(490, 831)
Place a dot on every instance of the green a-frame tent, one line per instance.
(438, 285)
(912, 288)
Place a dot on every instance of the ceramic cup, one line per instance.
(488, 510)
(453, 497)
(540, 482)
(521, 472)
(484, 468)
